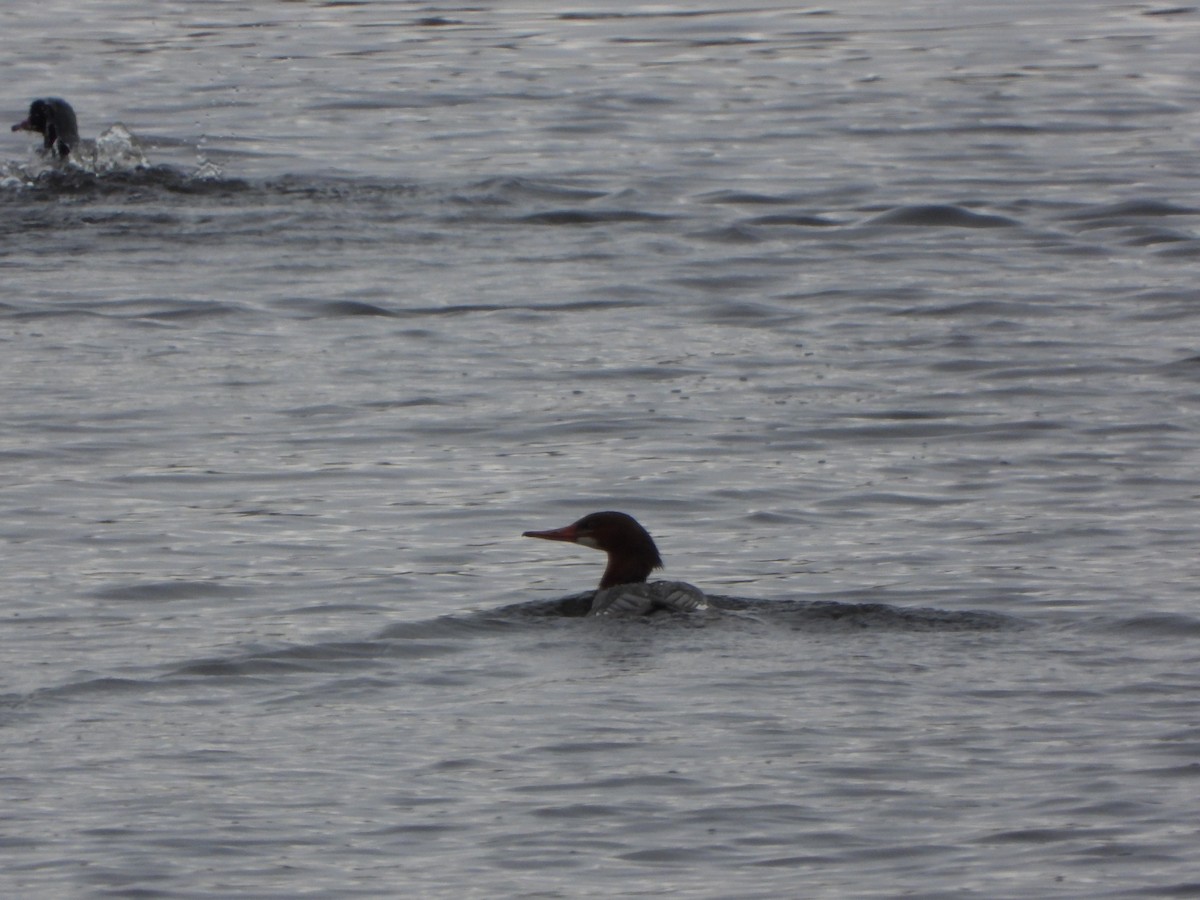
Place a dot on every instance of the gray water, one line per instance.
(881, 317)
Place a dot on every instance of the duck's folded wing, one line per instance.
(641, 598)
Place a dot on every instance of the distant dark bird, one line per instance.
(54, 120)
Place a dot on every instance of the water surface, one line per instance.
(876, 317)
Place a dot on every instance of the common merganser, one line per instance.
(54, 120)
(632, 556)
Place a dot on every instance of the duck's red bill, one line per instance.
(569, 533)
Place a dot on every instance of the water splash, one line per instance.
(115, 150)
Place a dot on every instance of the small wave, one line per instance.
(795, 220)
(1038, 836)
(1188, 367)
(161, 313)
(167, 591)
(513, 189)
(323, 657)
(591, 217)
(940, 216)
(743, 198)
(86, 688)
(729, 234)
(1142, 236)
(1181, 250)
(1131, 209)
(798, 614)
(826, 614)
(338, 309)
(749, 313)
(1154, 625)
